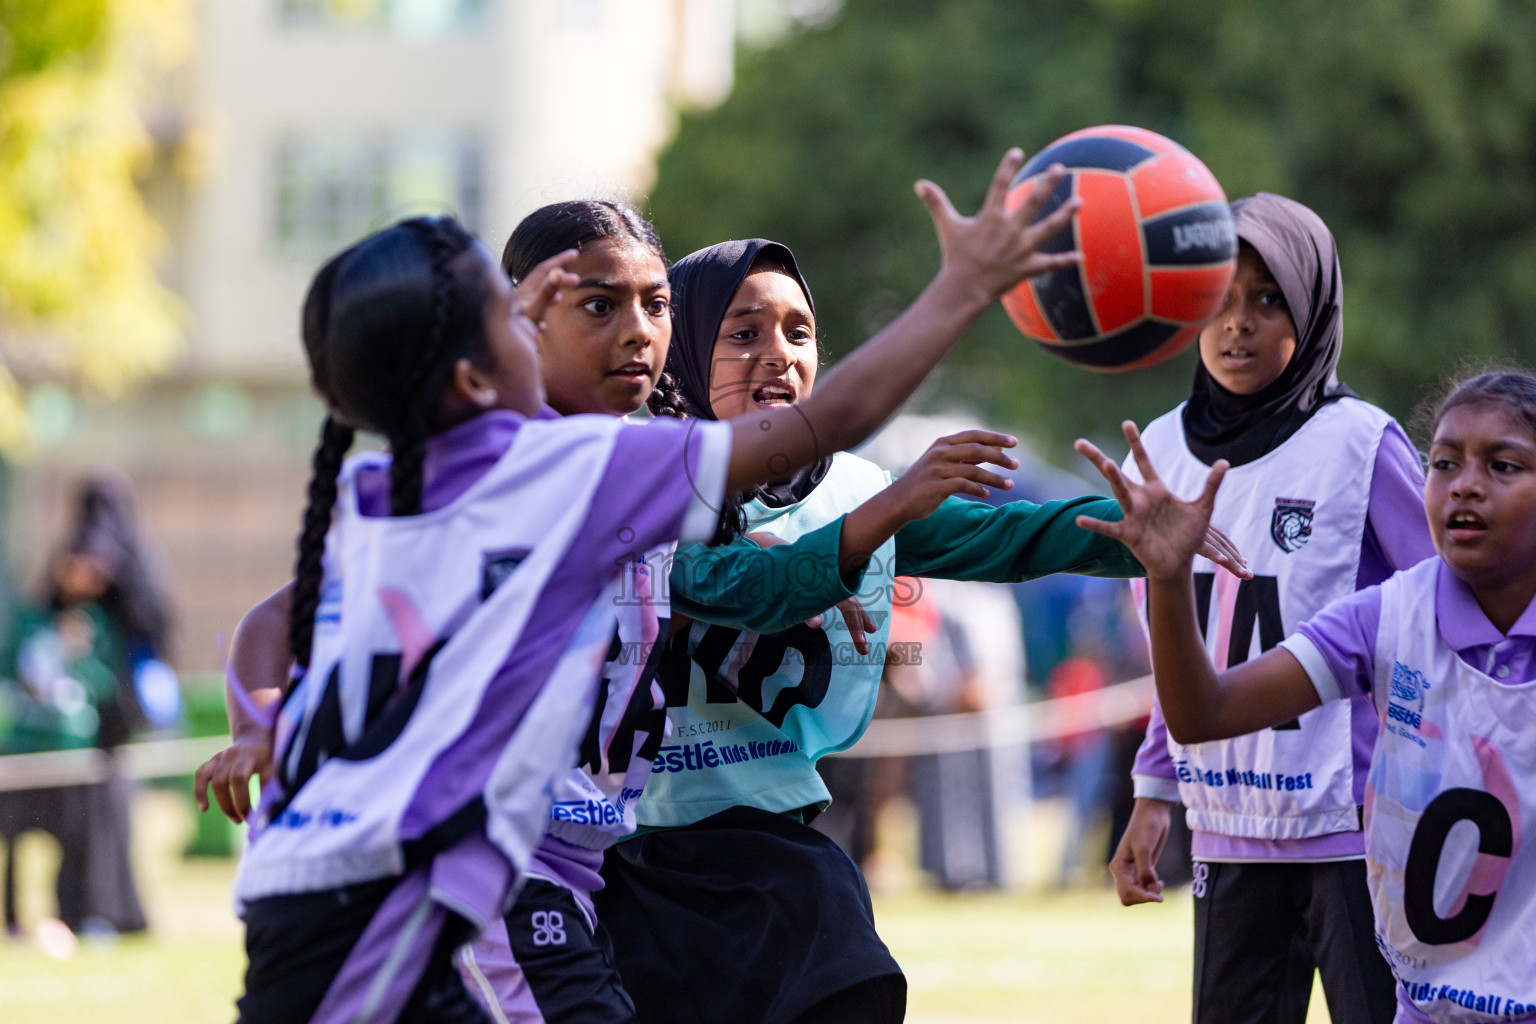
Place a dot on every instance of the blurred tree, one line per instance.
(79, 299)
(1409, 125)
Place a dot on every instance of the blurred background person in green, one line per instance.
(82, 669)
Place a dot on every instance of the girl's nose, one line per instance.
(1239, 319)
(1467, 485)
(779, 352)
(640, 329)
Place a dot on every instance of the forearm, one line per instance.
(868, 384)
(1200, 705)
(259, 662)
(763, 590)
(861, 393)
(969, 540)
(864, 530)
(1188, 689)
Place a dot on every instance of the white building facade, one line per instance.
(301, 126)
(326, 119)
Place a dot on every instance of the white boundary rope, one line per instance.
(1005, 727)
(886, 737)
(158, 759)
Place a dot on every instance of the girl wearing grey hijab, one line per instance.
(1324, 498)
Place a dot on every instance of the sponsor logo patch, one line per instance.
(1405, 703)
(1291, 523)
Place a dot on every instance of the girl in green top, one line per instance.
(727, 907)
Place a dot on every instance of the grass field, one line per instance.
(1033, 956)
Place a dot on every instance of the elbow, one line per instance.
(1191, 729)
(1187, 735)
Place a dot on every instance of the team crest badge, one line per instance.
(1291, 524)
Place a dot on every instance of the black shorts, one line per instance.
(567, 965)
(1261, 929)
(328, 956)
(748, 917)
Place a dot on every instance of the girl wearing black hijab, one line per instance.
(1324, 497)
(726, 906)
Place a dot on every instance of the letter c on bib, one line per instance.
(1495, 838)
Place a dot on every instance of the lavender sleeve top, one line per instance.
(1396, 537)
(1337, 646)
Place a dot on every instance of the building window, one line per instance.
(331, 190)
(412, 18)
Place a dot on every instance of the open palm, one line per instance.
(1162, 531)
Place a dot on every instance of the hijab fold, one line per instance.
(703, 284)
(1303, 258)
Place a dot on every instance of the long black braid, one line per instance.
(365, 317)
(335, 439)
(408, 451)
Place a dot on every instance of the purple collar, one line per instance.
(1462, 622)
(456, 458)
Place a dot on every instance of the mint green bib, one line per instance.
(761, 710)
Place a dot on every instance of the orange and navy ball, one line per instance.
(1159, 250)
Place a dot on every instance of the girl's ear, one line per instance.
(473, 386)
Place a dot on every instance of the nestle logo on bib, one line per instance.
(1405, 703)
(1291, 523)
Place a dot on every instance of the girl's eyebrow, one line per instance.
(614, 286)
(743, 311)
(1497, 444)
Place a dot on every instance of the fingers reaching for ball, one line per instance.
(1161, 530)
(996, 248)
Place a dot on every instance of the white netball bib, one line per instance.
(594, 803)
(1450, 818)
(1298, 515)
(456, 652)
(751, 714)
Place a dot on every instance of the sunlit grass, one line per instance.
(1023, 957)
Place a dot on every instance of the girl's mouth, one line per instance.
(632, 373)
(1465, 526)
(774, 393)
(1237, 357)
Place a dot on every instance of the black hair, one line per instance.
(1513, 388)
(552, 229)
(107, 529)
(384, 323)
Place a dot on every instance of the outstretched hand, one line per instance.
(1162, 531)
(997, 248)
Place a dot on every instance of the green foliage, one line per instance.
(1409, 125)
(79, 299)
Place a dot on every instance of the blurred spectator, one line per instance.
(83, 669)
(972, 660)
(1084, 756)
(861, 786)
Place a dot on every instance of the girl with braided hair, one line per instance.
(602, 346)
(446, 625)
